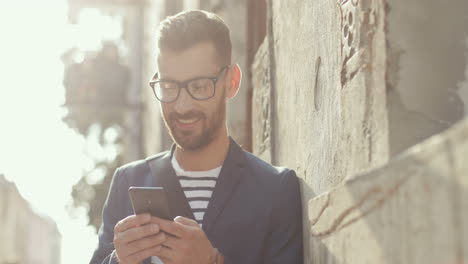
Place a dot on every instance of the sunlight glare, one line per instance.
(38, 152)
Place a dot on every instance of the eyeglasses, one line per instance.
(201, 88)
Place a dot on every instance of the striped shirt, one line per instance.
(198, 187)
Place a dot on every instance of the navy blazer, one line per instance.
(254, 216)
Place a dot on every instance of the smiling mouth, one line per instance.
(187, 121)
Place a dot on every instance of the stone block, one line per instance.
(412, 210)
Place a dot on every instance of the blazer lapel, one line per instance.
(229, 177)
(163, 174)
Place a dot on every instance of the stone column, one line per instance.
(320, 105)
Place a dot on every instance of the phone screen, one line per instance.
(150, 200)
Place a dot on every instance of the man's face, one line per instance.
(193, 124)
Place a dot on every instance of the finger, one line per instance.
(186, 221)
(135, 233)
(172, 242)
(169, 226)
(144, 243)
(167, 253)
(132, 221)
(139, 256)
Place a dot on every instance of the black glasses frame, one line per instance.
(184, 84)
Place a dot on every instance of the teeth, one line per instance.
(187, 121)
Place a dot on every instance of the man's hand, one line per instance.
(186, 244)
(136, 238)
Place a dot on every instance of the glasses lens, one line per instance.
(166, 91)
(201, 88)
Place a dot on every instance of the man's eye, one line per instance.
(167, 86)
(199, 84)
(198, 87)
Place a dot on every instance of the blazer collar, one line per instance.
(163, 174)
(230, 175)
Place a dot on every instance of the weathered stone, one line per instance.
(328, 99)
(413, 210)
(261, 104)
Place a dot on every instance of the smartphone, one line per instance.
(150, 200)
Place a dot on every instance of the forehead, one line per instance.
(195, 61)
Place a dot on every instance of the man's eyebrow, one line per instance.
(208, 76)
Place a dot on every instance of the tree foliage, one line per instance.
(96, 96)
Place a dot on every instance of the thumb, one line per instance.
(186, 221)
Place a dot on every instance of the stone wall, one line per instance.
(319, 92)
(412, 210)
(327, 89)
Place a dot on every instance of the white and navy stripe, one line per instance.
(198, 191)
(198, 187)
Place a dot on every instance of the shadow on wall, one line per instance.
(463, 86)
(426, 68)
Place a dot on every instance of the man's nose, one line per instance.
(184, 103)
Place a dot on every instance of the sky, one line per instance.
(38, 152)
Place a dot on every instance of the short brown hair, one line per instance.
(188, 28)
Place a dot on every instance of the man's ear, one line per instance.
(233, 80)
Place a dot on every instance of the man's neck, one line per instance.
(209, 157)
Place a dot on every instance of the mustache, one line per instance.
(187, 115)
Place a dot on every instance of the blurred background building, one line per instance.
(25, 235)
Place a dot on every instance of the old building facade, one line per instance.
(25, 236)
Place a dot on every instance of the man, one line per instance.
(231, 207)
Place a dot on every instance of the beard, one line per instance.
(192, 140)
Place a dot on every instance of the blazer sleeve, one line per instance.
(110, 216)
(284, 243)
